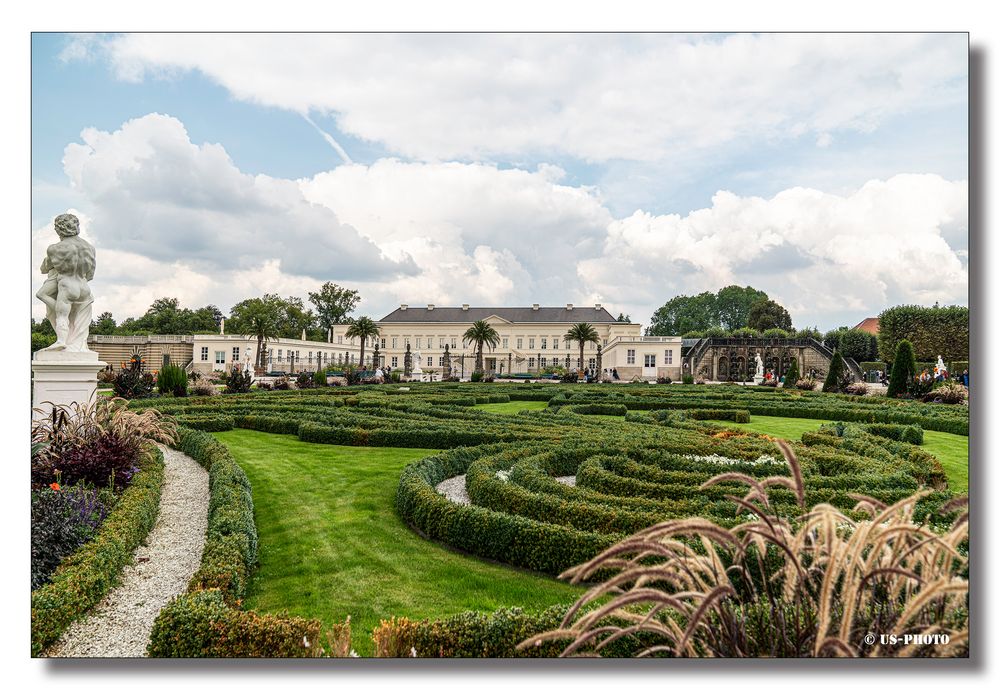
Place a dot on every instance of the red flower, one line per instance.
(54, 486)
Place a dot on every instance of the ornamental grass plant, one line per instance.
(822, 585)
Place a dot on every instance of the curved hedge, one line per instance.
(87, 575)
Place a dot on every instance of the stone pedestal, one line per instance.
(61, 378)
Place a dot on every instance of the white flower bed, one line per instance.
(722, 460)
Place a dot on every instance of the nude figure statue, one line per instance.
(70, 265)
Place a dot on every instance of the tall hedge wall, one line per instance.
(932, 330)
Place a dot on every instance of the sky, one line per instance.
(829, 170)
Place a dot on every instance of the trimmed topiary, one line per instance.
(904, 369)
(792, 374)
(835, 377)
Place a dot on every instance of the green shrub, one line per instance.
(904, 369)
(319, 378)
(792, 374)
(172, 380)
(688, 379)
(87, 575)
(775, 333)
(478, 635)
(837, 378)
(200, 624)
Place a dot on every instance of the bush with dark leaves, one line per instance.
(61, 520)
(238, 381)
(103, 461)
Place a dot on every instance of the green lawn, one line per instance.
(331, 544)
(514, 407)
(951, 450)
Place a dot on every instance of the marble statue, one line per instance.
(941, 368)
(760, 366)
(70, 265)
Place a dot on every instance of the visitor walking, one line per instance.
(614, 374)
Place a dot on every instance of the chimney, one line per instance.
(597, 307)
(222, 326)
(402, 307)
(465, 307)
(569, 307)
(430, 307)
(534, 307)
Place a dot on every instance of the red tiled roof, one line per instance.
(870, 325)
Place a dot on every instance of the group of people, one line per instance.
(590, 374)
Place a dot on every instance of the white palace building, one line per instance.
(532, 339)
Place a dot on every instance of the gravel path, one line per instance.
(120, 624)
(568, 481)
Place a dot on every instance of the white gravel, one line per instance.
(119, 625)
(454, 490)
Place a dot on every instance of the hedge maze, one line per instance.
(550, 489)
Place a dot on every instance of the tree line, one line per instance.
(287, 317)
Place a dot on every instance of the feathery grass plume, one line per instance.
(821, 584)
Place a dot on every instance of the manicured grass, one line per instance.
(513, 407)
(951, 450)
(331, 544)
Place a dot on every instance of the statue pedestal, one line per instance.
(757, 380)
(61, 378)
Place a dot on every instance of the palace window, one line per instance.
(545, 344)
(204, 354)
(504, 343)
(395, 343)
(309, 356)
(555, 342)
(520, 343)
(668, 356)
(395, 362)
(531, 362)
(340, 340)
(280, 355)
(270, 354)
(441, 361)
(220, 356)
(418, 342)
(649, 361)
(340, 358)
(453, 341)
(541, 362)
(630, 357)
(406, 340)
(441, 343)
(592, 363)
(383, 343)
(531, 343)
(236, 354)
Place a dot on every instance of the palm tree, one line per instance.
(258, 317)
(583, 333)
(363, 328)
(481, 333)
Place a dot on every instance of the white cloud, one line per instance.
(174, 218)
(816, 253)
(592, 96)
(153, 192)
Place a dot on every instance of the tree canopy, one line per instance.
(729, 309)
(333, 304)
(766, 314)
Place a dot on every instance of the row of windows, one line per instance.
(649, 360)
(417, 342)
(296, 355)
